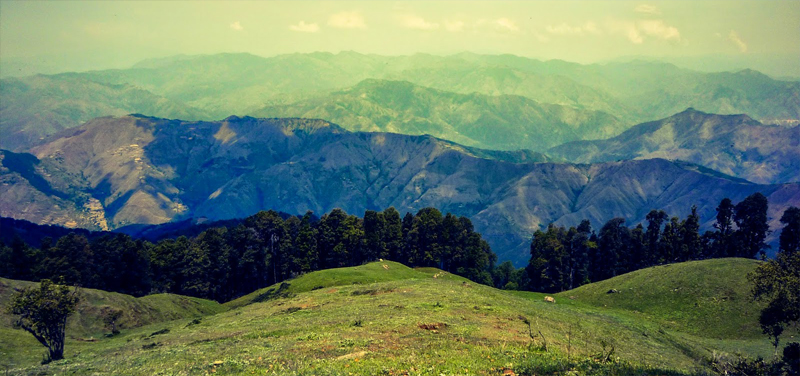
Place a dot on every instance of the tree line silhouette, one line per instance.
(562, 259)
(222, 263)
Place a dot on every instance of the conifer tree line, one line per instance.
(223, 263)
(562, 259)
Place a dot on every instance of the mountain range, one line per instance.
(733, 144)
(614, 95)
(32, 108)
(505, 122)
(116, 171)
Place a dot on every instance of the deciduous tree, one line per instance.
(777, 282)
(43, 313)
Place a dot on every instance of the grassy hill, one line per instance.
(86, 325)
(691, 297)
(385, 318)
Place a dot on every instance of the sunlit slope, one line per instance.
(709, 298)
(86, 325)
(359, 275)
(385, 318)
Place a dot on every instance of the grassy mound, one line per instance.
(394, 320)
(709, 298)
(382, 271)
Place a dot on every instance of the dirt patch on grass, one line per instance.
(372, 292)
(433, 327)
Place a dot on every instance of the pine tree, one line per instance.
(72, 259)
(374, 228)
(691, 245)
(429, 242)
(612, 245)
(655, 221)
(724, 241)
(393, 234)
(750, 216)
(306, 258)
(790, 235)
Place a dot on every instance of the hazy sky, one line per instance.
(101, 34)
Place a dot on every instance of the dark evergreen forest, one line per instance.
(234, 258)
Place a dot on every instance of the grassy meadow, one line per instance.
(384, 318)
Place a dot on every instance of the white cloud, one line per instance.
(566, 29)
(347, 20)
(639, 31)
(454, 26)
(418, 23)
(633, 34)
(591, 27)
(237, 26)
(647, 8)
(506, 24)
(305, 27)
(659, 29)
(734, 37)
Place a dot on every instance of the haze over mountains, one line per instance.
(112, 172)
(613, 96)
(505, 122)
(115, 171)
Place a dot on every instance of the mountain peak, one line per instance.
(691, 113)
(289, 124)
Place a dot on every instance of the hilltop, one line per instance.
(383, 317)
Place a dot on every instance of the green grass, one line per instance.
(691, 297)
(374, 320)
(86, 325)
(358, 275)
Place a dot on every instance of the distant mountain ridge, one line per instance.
(213, 87)
(733, 144)
(113, 172)
(505, 122)
(34, 107)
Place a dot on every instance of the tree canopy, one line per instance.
(777, 281)
(43, 313)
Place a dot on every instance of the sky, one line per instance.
(708, 35)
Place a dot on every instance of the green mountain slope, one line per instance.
(386, 318)
(732, 144)
(494, 122)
